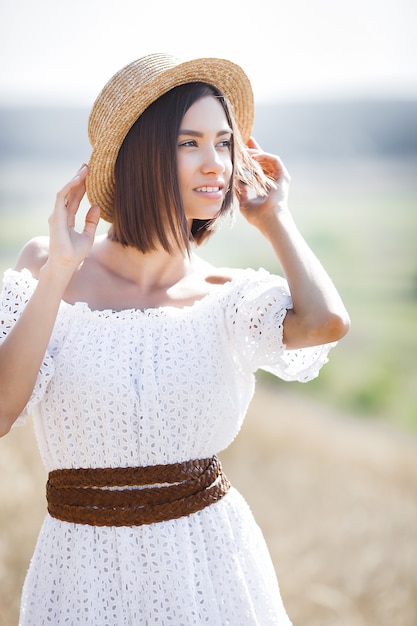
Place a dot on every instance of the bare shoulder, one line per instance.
(222, 275)
(216, 275)
(33, 255)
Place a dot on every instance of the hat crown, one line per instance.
(125, 84)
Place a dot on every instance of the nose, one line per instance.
(213, 162)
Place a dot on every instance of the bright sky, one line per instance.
(63, 51)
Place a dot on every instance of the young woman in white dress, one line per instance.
(136, 359)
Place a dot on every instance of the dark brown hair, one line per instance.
(148, 208)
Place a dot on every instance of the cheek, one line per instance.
(183, 170)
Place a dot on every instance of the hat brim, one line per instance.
(114, 116)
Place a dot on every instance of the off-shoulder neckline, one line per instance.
(84, 308)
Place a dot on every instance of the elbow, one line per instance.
(332, 327)
(11, 408)
(5, 426)
(8, 416)
(315, 330)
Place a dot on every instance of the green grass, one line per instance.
(359, 217)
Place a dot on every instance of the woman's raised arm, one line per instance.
(318, 315)
(22, 351)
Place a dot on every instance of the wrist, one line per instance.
(56, 277)
(274, 222)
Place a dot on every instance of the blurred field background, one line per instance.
(329, 468)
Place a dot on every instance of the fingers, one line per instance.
(68, 201)
(77, 181)
(77, 191)
(69, 197)
(91, 221)
(242, 190)
(251, 143)
(271, 164)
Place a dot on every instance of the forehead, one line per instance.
(206, 112)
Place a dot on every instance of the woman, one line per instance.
(137, 359)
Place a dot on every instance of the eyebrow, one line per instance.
(196, 133)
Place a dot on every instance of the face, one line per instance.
(204, 158)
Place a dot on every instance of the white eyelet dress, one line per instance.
(159, 386)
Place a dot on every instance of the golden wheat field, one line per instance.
(335, 497)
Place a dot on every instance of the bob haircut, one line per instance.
(148, 208)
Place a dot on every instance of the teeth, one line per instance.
(208, 189)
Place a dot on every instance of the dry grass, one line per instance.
(21, 513)
(336, 498)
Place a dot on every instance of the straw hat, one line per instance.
(131, 90)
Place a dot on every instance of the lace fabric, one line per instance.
(133, 388)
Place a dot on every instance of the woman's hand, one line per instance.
(318, 315)
(67, 247)
(22, 351)
(259, 209)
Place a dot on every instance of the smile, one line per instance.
(208, 189)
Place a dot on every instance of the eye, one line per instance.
(188, 143)
(226, 143)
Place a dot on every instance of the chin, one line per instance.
(204, 215)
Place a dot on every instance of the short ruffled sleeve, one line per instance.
(256, 318)
(18, 287)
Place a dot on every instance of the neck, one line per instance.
(148, 271)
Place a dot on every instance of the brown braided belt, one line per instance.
(150, 494)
